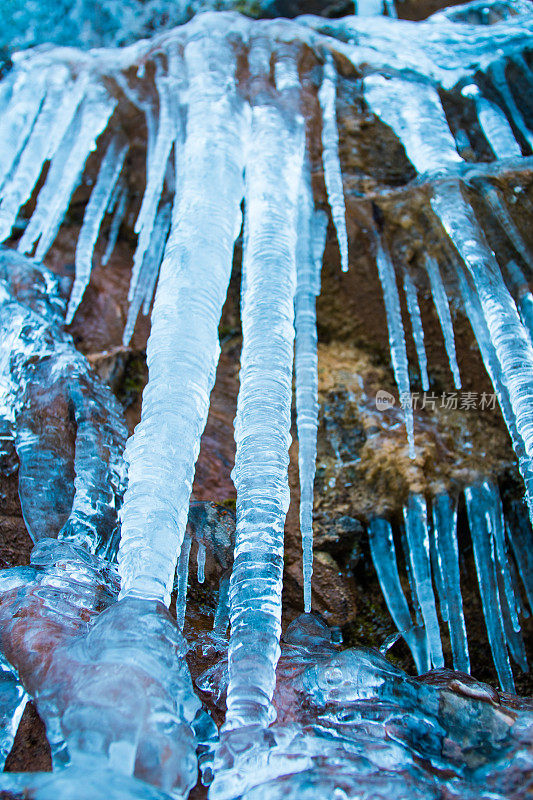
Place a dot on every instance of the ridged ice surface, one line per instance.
(183, 346)
(262, 424)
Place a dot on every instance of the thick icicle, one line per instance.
(330, 157)
(447, 552)
(497, 72)
(16, 121)
(183, 346)
(155, 169)
(66, 169)
(369, 8)
(19, 186)
(108, 174)
(445, 318)
(116, 222)
(263, 421)
(416, 327)
(479, 517)
(400, 363)
(311, 239)
(384, 557)
(494, 125)
(416, 529)
(144, 289)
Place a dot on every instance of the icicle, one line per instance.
(182, 574)
(108, 174)
(16, 121)
(330, 157)
(200, 562)
(384, 557)
(400, 363)
(508, 336)
(183, 347)
(311, 239)
(19, 186)
(149, 270)
(494, 125)
(221, 620)
(449, 586)
(369, 8)
(391, 9)
(507, 223)
(416, 327)
(479, 517)
(498, 532)
(523, 296)
(263, 421)
(479, 326)
(155, 169)
(443, 310)
(521, 541)
(66, 169)
(116, 222)
(497, 71)
(416, 528)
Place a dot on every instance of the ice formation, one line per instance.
(225, 102)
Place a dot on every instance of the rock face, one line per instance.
(364, 469)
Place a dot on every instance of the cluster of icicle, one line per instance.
(217, 139)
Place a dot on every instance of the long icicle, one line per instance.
(311, 239)
(118, 218)
(445, 318)
(183, 347)
(447, 551)
(416, 528)
(149, 270)
(108, 175)
(479, 518)
(383, 554)
(155, 170)
(263, 421)
(494, 125)
(398, 350)
(417, 328)
(330, 157)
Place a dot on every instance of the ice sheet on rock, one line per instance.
(149, 271)
(311, 239)
(416, 327)
(416, 529)
(398, 350)
(108, 175)
(69, 432)
(13, 699)
(384, 557)
(114, 683)
(66, 169)
(445, 318)
(447, 552)
(330, 157)
(183, 346)
(263, 420)
(478, 505)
